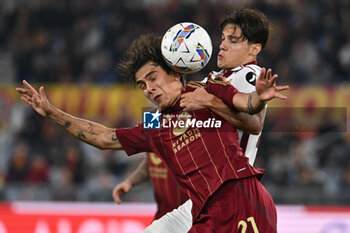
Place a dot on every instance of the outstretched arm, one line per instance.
(200, 98)
(90, 132)
(138, 176)
(252, 103)
(251, 124)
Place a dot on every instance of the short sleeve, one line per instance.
(134, 140)
(222, 90)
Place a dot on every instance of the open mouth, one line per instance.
(157, 97)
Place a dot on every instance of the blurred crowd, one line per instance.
(81, 41)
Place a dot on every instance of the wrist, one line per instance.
(52, 112)
(211, 101)
(255, 103)
(129, 182)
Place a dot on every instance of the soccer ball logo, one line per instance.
(186, 47)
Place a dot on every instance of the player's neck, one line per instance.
(176, 99)
(252, 62)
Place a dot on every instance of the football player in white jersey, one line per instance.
(243, 79)
(244, 34)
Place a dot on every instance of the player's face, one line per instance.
(234, 51)
(159, 87)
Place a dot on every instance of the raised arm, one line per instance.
(243, 103)
(251, 124)
(138, 176)
(90, 132)
(200, 98)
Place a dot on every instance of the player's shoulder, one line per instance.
(191, 86)
(251, 68)
(217, 82)
(208, 84)
(196, 84)
(244, 77)
(245, 72)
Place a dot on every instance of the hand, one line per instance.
(266, 88)
(39, 102)
(218, 77)
(195, 100)
(120, 190)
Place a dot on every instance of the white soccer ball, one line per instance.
(186, 47)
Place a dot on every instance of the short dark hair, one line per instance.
(144, 49)
(254, 25)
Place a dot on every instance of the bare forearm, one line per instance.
(248, 123)
(90, 132)
(249, 103)
(140, 174)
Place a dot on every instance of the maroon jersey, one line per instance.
(239, 206)
(166, 189)
(201, 159)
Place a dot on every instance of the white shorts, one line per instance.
(177, 221)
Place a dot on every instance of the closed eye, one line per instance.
(141, 85)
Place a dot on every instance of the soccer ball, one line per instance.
(186, 47)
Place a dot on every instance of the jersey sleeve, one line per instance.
(244, 80)
(222, 90)
(134, 140)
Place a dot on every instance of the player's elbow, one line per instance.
(256, 131)
(108, 140)
(105, 145)
(252, 129)
(258, 123)
(256, 126)
(100, 144)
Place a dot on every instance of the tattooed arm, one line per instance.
(90, 132)
(87, 131)
(200, 98)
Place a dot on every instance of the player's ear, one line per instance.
(179, 77)
(255, 49)
(176, 75)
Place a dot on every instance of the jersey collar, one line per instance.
(229, 72)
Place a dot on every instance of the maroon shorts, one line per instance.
(238, 206)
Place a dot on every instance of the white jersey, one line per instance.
(243, 79)
(180, 220)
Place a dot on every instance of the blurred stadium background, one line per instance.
(72, 47)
